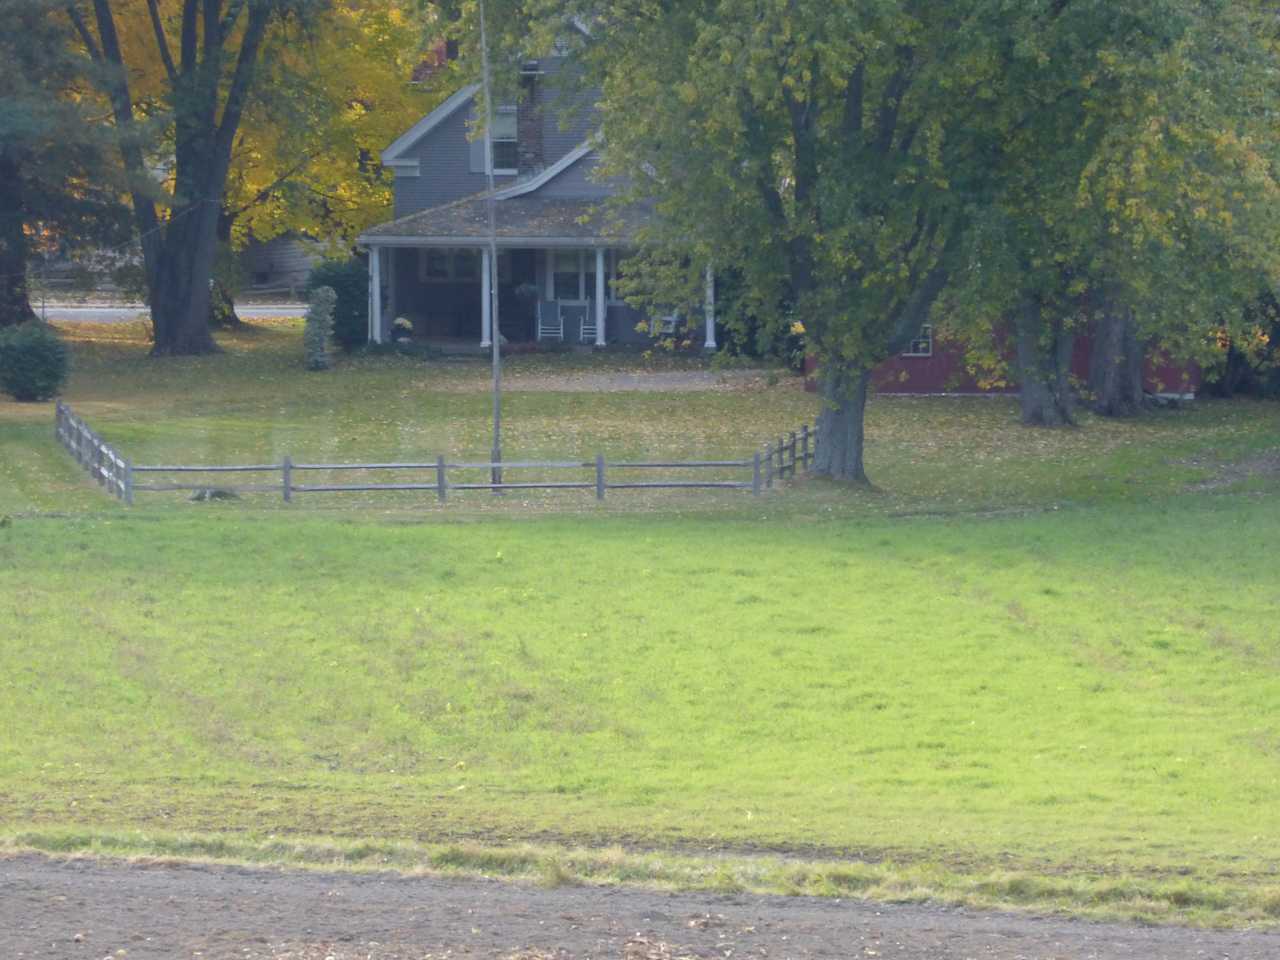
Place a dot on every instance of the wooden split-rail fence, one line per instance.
(118, 475)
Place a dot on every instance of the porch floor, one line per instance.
(470, 346)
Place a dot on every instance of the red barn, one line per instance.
(932, 365)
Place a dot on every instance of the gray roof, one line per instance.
(519, 220)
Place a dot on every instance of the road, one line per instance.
(83, 908)
(121, 313)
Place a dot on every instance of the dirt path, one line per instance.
(97, 909)
(578, 380)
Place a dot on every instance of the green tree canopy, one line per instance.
(852, 164)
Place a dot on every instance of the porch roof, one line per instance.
(521, 222)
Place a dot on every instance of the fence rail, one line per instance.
(779, 459)
(100, 460)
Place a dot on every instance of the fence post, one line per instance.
(286, 478)
(782, 458)
(804, 445)
(768, 467)
(128, 482)
(442, 484)
(755, 475)
(599, 476)
(791, 450)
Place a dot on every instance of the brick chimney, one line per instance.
(529, 149)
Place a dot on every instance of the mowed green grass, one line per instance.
(1083, 691)
(1051, 654)
(255, 403)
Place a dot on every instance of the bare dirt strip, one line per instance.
(83, 908)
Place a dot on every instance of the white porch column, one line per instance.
(375, 294)
(486, 301)
(551, 274)
(391, 286)
(709, 309)
(600, 300)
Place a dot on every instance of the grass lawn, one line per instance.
(1036, 668)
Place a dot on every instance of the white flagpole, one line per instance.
(495, 336)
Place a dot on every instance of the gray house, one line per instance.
(558, 253)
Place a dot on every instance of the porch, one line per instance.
(556, 278)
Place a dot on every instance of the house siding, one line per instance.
(444, 167)
(443, 154)
(565, 122)
(576, 183)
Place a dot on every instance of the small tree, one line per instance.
(319, 327)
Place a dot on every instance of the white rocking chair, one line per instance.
(587, 329)
(550, 323)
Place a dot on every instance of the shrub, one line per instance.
(319, 327)
(349, 280)
(33, 362)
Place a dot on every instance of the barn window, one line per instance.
(922, 345)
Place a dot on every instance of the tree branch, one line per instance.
(212, 31)
(263, 195)
(854, 94)
(85, 36)
(891, 102)
(241, 81)
(805, 146)
(914, 312)
(759, 150)
(116, 84)
(162, 42)
(190, 35)
(229, 18)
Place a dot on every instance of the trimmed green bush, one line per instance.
(349, 280)
(319, 328)
(33, 362)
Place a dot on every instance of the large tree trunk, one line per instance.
(15, 302)
(840, 424)
(180, 282)
(1115, 364)
(1044, 367)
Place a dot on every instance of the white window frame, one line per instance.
(922, 344)
(556, 271)
(586, 278)
(494, 141)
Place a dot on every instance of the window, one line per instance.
(506, 153)
(922, 345)
(443, 265)
(466, 265)
(568, 275)
(574, 273)
(433, 264)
